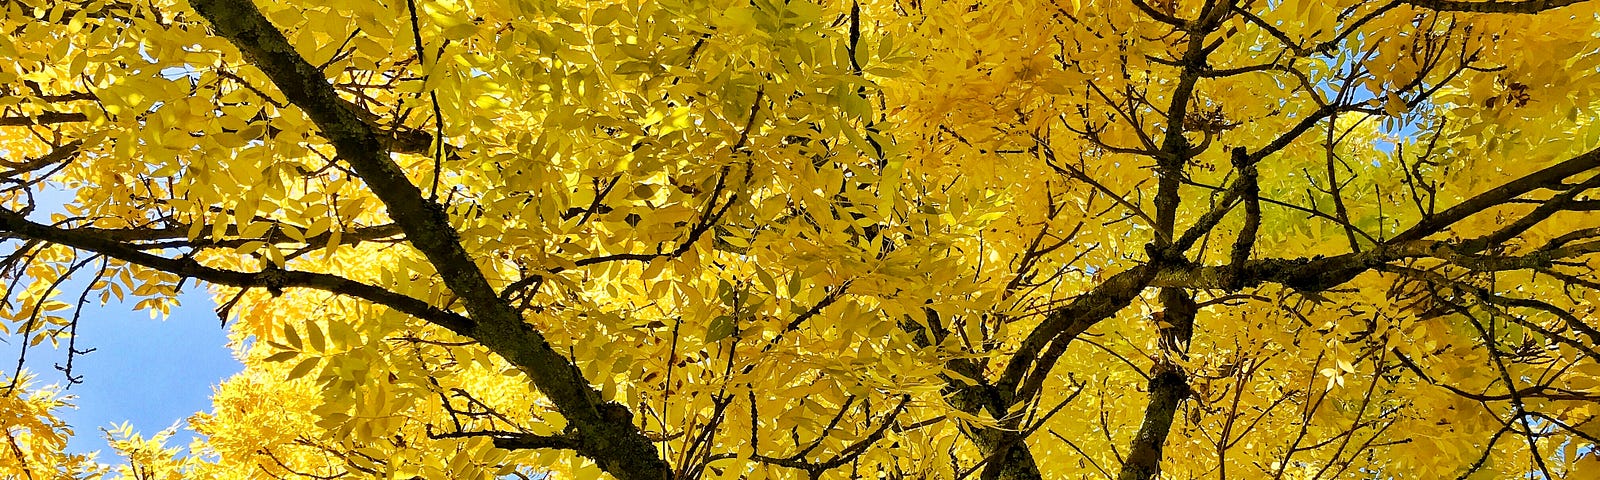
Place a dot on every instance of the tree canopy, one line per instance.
(900, 239)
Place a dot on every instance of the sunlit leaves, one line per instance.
(743, 219)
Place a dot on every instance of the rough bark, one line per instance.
(601, 431)
(1011, 459)
(1169, 386)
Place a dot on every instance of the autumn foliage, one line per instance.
(900, 239)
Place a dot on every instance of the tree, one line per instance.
(898, 239)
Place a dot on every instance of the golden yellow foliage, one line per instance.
(886, 238)
(35, 438)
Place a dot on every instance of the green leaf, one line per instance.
(302, 369)
(292, 337)
(318, 342)
(720, 328)
(281, 356)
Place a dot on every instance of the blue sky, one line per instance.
(150, 373)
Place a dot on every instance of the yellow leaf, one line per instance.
(301, 369)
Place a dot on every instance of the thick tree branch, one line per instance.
(14, 224)
(57, 155)
(604, 430)
(1305, 274)
(176, 237)
(1065, 323)
(1549, 177)
(1245, 242)
(1170, 385)
(44, 118)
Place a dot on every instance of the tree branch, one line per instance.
(44, 118)
(1523, 7)
(15, 224)
(606, 433)
(514, 440)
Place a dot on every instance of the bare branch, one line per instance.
(1523, 7)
